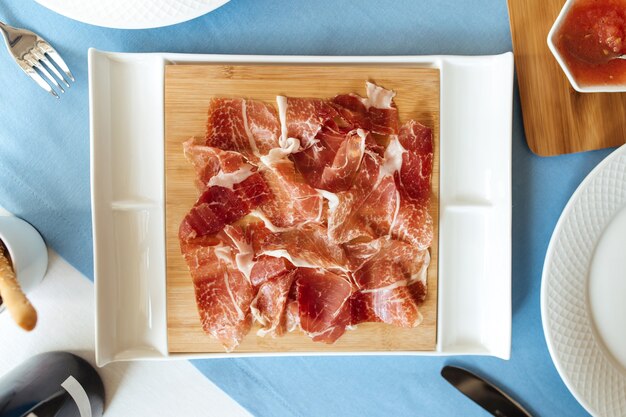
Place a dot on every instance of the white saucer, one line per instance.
(132, 14)
(583, 290)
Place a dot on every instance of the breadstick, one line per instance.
(12, 296)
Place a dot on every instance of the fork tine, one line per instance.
(39, 80)
(56, 58)
(35, 64)
(42, 58)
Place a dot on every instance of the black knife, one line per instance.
(483, 393)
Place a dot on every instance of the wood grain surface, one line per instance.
(558, 119)
(188, 90)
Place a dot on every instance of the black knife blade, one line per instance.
(483, 393)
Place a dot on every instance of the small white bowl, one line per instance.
(27, 251)
(613, 88)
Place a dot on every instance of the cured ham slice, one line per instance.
(268, 267)
(387, 263)
(324, 307)
(312, 216)
(398, 306)
(391, 277)
(223, 294)
(417, 162)
(247, 126)
(339, 174)
(368, 209)
(209, 161)
(381, 203)
(304, 118)
(414, 225)
(376, 113)
(306, 246)
(333, 161)
(270, 304)
(294, 201)
(219, 206)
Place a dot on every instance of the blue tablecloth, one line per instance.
(44, 178)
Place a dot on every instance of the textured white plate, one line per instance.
(127, 178)
(132, 14)
(583, 290)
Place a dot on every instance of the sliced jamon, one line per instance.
(270, 304)
(293, 201)
(413, 225)
(292, 311)
(280, 251)
(339, 175)
(246, 126)
(381, 203)
(304, 118)
(267, 268)
(333, 161)
(368, 209)
(253, 191)
(398, 306)
(323, 301)
(306, 246)
(417, 162)
(387, 263)
(292, 315)
(376, 113)
(313, 217)
(219, 206)
(391, 278)
(209, 161)
(223, 294)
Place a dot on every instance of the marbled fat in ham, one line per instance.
(323, 303)
(293, 201)
(246, 126)
(223, 294)
(417, 162)
(333, 161)
(218, 206)
(313, 216)
(305, 118)
(270, 304)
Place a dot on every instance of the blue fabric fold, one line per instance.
(44, 178)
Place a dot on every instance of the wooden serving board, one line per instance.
(188, 90)
(557, 119)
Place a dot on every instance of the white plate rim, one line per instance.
(569, 380)
(462, 328)
(107, 14)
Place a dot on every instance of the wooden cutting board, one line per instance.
(188, 89)
(557, 119)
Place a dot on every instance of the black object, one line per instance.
(489, 397)
(53, 384)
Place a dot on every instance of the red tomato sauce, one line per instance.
(592, 32)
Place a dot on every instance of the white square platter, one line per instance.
(127, 192)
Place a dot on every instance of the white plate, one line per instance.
(132, 14)
(584, 287)
(126, 111)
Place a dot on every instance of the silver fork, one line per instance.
(37, 58)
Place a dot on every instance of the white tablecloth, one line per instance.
(64, 302)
